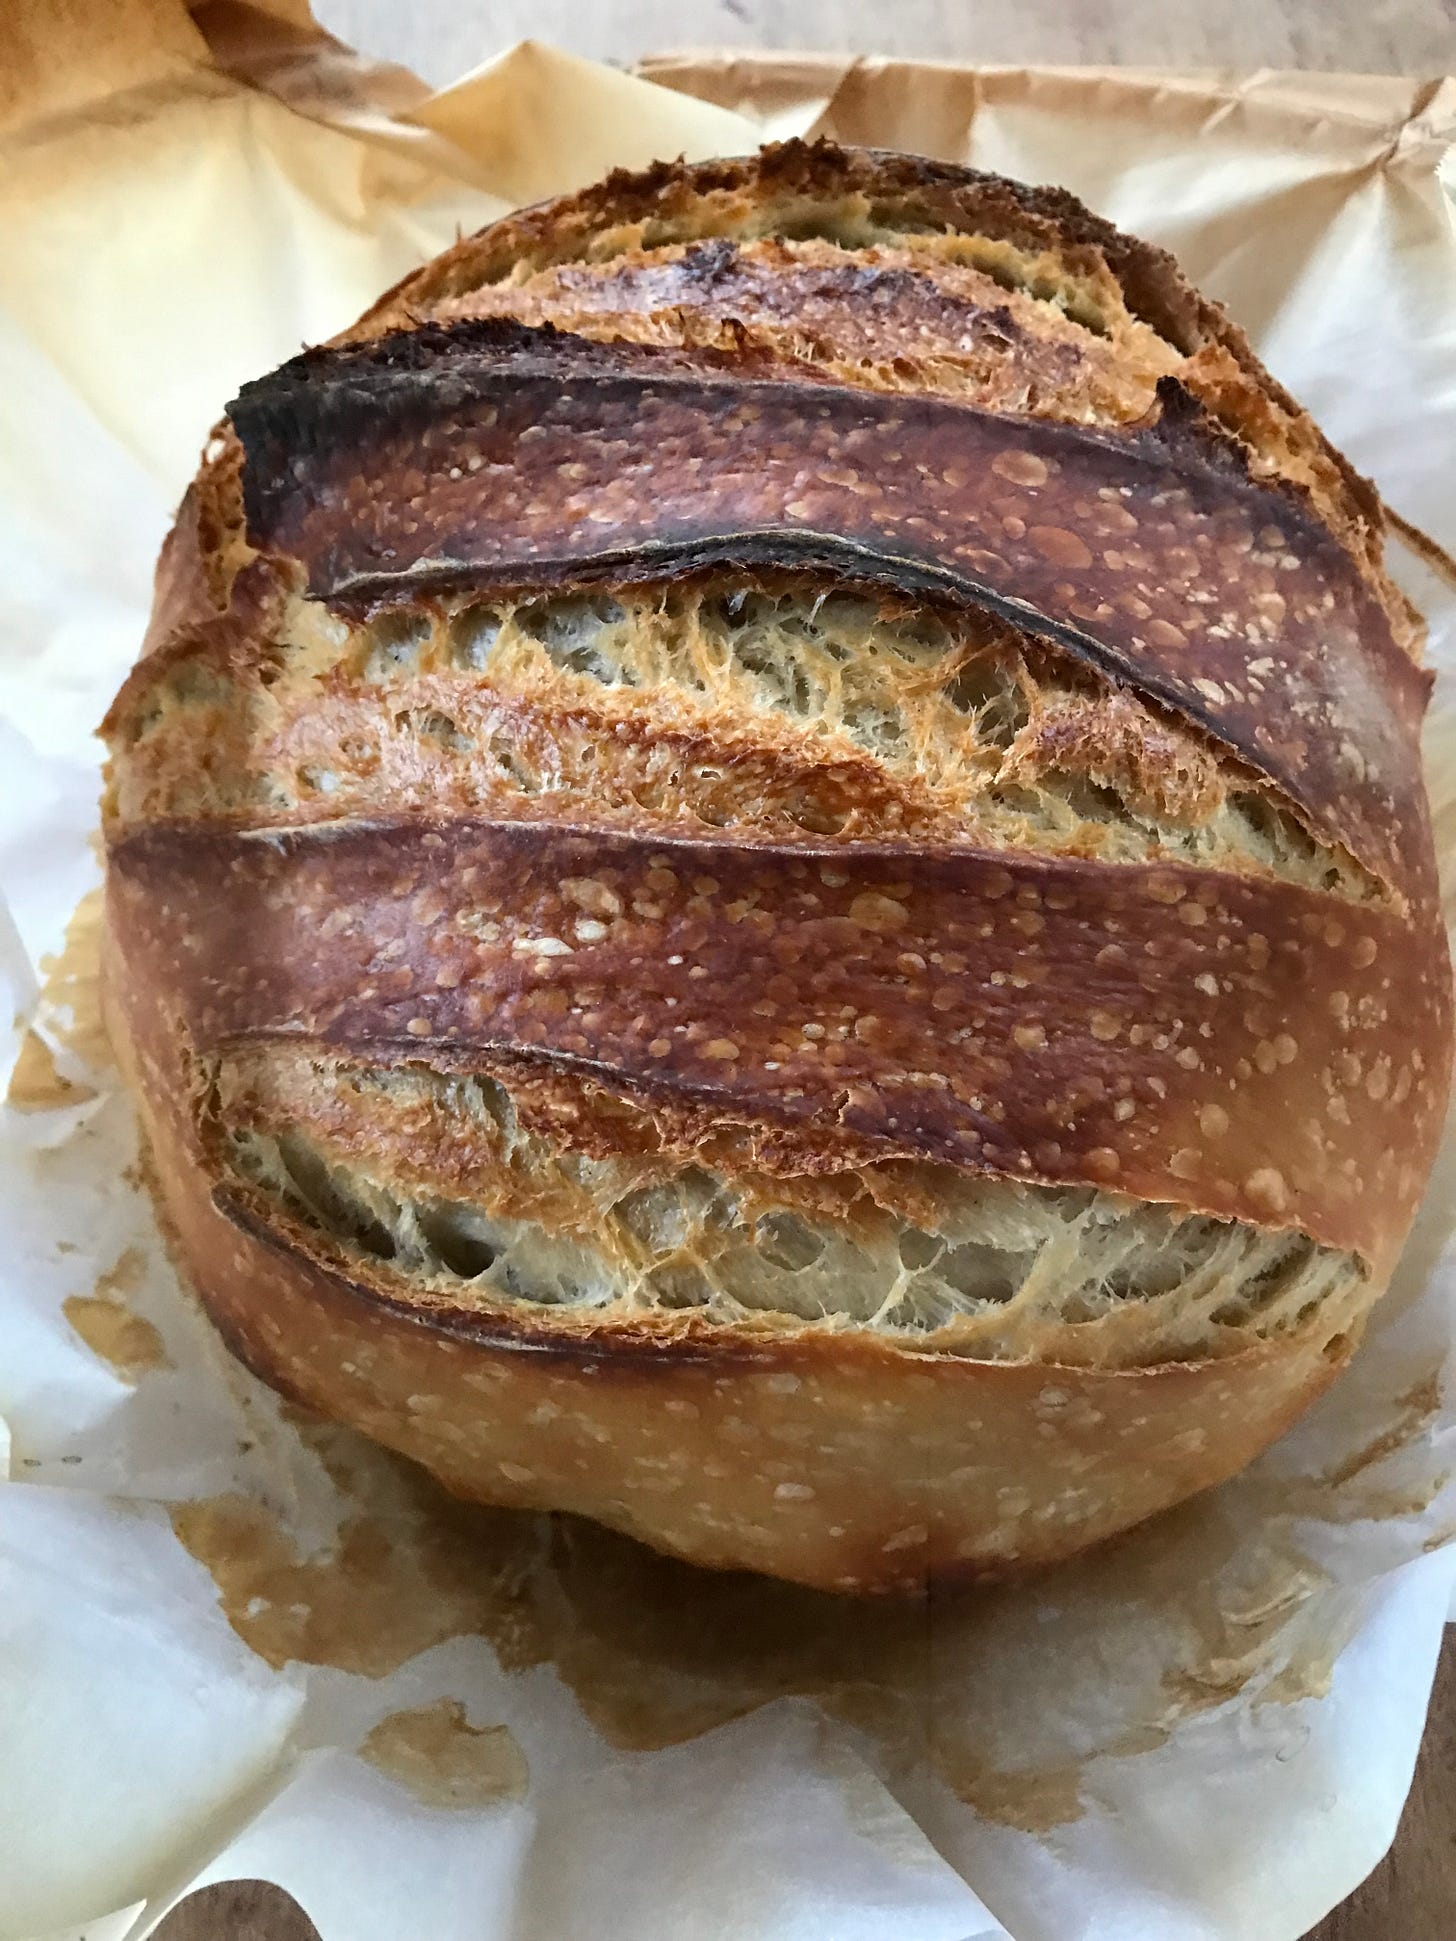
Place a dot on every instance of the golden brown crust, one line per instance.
(1060, 1021)
(857, 971)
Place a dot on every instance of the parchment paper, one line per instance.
(236, 1643)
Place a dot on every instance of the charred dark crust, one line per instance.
(1173, 1032)
(946, 194)
(523, 457)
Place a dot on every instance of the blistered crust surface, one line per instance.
(1052, 1020)
(1042, 242)
(489, 898)
(494, 454)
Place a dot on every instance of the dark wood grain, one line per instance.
(239, 1910)
(1411, 1896)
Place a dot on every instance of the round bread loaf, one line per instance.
(768, 876)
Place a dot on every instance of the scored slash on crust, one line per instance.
(490, 454)
(863, 993)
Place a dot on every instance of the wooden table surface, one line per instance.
(1412, 1895)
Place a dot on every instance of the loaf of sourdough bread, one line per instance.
(768, 878)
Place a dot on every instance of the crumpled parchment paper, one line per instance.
(237, 1643)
